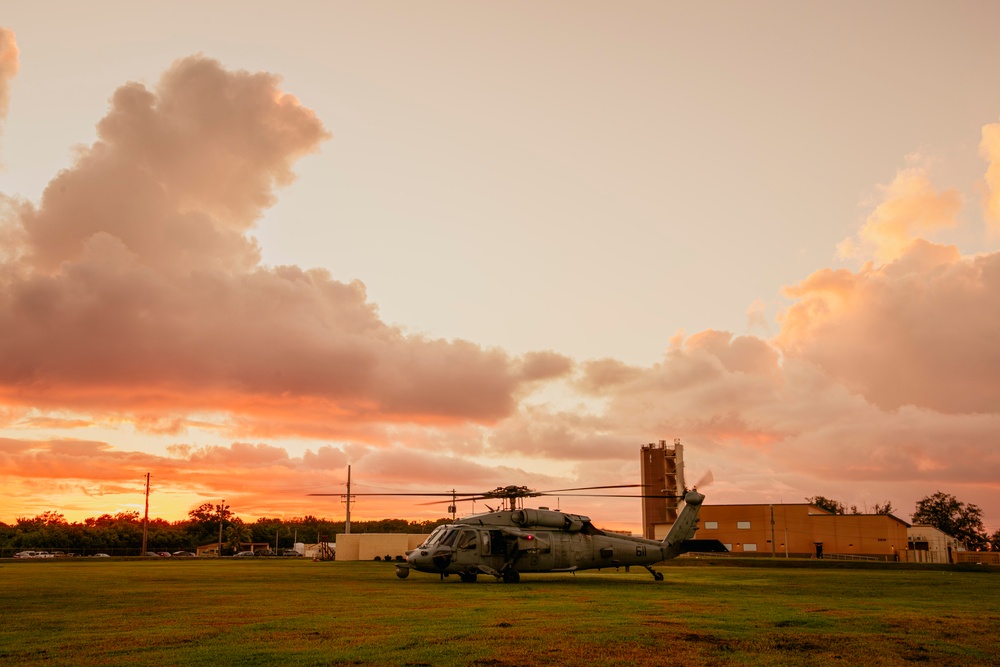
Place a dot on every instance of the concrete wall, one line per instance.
(979, 557)
(366, 546)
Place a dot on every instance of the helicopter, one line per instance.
(510, 540)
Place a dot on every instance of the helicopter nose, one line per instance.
(433, 559)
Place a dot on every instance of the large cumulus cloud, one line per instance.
(921, 330)
(133, 286)
(880, 376)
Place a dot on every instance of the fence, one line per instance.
(978, 557)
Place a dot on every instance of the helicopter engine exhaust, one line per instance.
(549, 519)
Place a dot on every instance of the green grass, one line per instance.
(297, 612)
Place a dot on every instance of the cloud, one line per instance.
(990, 149)
(134, 290)
(920, 330)
(880, 382)
(911, 208)
(255, 477)
(9, 65)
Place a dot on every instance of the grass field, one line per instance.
(297, 612)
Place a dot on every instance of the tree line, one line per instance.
(963, 521)
(121, 533)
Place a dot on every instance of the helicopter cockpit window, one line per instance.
(435, 536)
(467, 540)
(449, 538)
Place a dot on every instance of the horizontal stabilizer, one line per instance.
(703, 546)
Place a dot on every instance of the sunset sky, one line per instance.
(244, 245)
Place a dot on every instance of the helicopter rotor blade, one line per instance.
(457, 500)
(416, 495)
(706, 479)
(512, 492)
(620, 495)
(593, 488)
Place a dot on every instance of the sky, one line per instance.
(246, 245)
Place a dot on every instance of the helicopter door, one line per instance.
(562, 551)
(467, 547)
(498, 546)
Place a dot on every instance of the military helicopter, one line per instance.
(511, 539)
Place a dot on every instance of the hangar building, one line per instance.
(803, 530)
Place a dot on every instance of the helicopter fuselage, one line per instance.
(509, 542)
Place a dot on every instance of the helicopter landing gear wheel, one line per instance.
(467, 577)
(658, 576)
(511, 577)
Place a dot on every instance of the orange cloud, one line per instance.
(911, 208)
(256, 479)
(135, 291)
(9, 65)
(253, 477)
(920, 330)
(990, 149)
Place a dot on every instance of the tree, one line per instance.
(995, 541)
(962, 521)
(237, 535)
(837, 507)
(828, 504)
(885, 508)
(204, 513)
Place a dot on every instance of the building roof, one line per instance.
(819, 510)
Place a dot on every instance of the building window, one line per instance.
(749, 547)
(743, 525)
(729, 546)
(711, 525)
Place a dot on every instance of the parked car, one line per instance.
(245, 554)
(163, 554)
(26, 554)
(290, 552)
(100, 556)
(265, 552)
(183, 554)
(152, 554)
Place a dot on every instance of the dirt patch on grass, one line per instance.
(713, 641)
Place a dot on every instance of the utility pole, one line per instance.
(222, 517)
(347, 523)
(145, 519)
(772, 531)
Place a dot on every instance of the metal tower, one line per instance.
(662, 473)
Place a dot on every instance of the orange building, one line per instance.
(802, 531)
